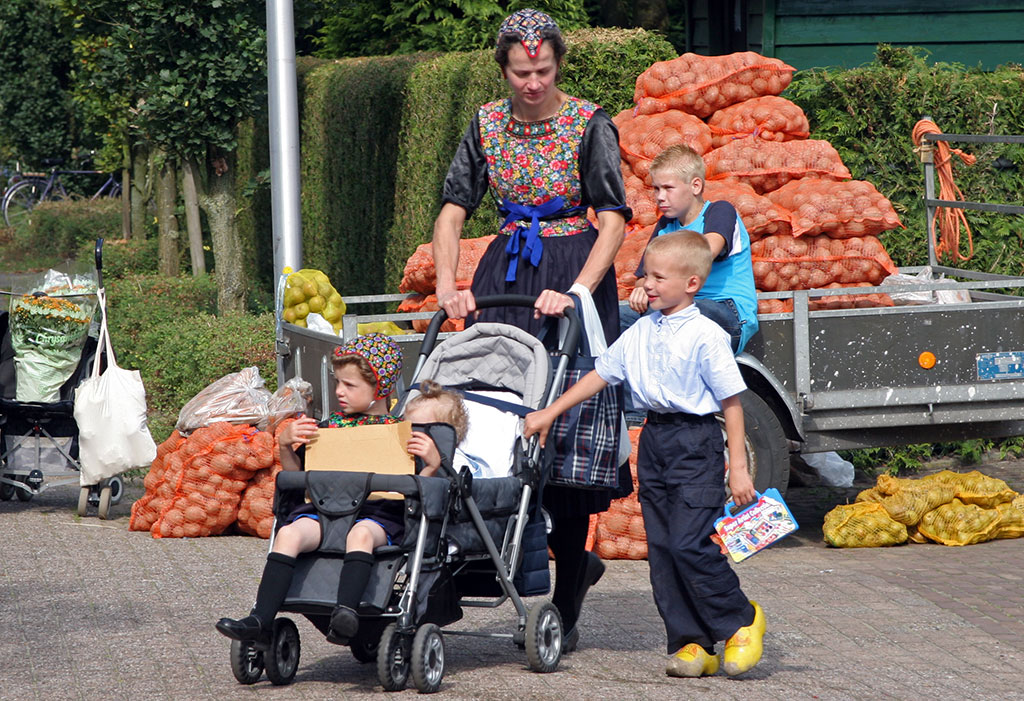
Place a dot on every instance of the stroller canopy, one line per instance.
(493, 355)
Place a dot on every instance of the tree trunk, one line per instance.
(195, 229)
(167, 222)
(218, 201)
(141, 190)
(651, 14)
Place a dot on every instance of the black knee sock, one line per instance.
(277, 577)
(568, 541)
(354, 577)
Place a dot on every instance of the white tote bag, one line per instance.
(110, 410)
(592, 326)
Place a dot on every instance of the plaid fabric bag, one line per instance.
(585, 439)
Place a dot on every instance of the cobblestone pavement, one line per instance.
(89, 610)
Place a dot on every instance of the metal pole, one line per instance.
(284, 136)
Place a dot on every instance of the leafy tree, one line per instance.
(188, 72)
(376, 27)
(35, 117)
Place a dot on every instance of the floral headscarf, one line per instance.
(383, 355)
(527, 24)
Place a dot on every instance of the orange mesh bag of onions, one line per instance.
(420, 276)
(768, 165)
(146, 510)
(619, 532)
(428, 303)
(702, 85)
(840, 210)
(760, 215)
(256, 508)
(852, 301)
(786, 263)
(639, 197)
(645, 136)
(628, 257)
(771, 118)
(218, 463)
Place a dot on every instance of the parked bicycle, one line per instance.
(32, 188)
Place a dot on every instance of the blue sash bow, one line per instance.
(532, 243)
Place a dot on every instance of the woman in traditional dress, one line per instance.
(544, 157)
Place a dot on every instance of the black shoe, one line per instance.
(594, 571)
(344, 625)
(570, 640)
(248, 628)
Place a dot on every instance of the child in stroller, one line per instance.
(366, 370)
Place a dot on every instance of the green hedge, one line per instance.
(868, 114)
(166, 329)
(352, 115)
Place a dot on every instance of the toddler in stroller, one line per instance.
(461, 536)
(366, 370)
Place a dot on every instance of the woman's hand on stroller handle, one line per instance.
(457, 304)
(552, 303)
(539, 423)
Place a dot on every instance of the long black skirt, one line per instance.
(563, 259)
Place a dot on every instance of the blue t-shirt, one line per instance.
(732, 272)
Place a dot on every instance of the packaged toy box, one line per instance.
(757, 526)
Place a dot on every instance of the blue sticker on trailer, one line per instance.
(1001, 366)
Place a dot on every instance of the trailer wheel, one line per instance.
(766, 444)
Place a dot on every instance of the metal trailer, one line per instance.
(831, 379)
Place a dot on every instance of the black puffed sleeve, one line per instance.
(466, 182)
(600, 175)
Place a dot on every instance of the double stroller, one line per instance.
(39, 439)
(468, 542)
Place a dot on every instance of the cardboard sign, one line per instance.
(757, 526)
(376, 448)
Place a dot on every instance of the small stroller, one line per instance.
(464, 537)
(39, 439)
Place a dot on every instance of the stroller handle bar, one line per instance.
(568, 347)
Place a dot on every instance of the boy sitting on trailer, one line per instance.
(680, 368)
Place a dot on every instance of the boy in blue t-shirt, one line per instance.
(680, 368)
(728, 296)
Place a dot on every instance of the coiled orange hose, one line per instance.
(947, 220)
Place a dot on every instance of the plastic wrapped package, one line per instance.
(702, 85)
(291, 399)
(238, 398)
(862, 525)
(50, 317)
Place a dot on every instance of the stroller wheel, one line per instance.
(23, 494)
(282, 659)
(116, 485)
(393, 659)
(366, 642)
(246, 662)
(543, 637)
(83, 501)
(104, 506)
(428, 658)
(6, 490)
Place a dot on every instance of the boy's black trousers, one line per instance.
(680, 468)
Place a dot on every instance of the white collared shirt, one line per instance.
(677, 363)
